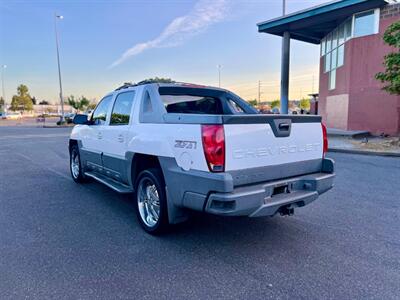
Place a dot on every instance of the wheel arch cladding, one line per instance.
(141, 162)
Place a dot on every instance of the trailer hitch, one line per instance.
(286, 210)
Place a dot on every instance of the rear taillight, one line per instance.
(214, 146)
(325, 137)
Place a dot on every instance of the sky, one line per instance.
(106, 43)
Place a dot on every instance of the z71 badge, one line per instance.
(185, 144)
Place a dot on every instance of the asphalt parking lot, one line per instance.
(63, 240)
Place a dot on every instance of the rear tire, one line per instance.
(75, 165)
(151, 201)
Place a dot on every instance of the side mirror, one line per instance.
(81, 120)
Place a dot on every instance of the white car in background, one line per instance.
(11, 116)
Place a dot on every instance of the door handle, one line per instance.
(99, 135)
(120, 138)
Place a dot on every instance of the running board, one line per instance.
(116, 186)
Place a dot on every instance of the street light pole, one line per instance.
(3, 67)
(58, 63)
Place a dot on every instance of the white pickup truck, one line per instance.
(180, 147)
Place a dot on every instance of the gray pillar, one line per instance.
(285, 72)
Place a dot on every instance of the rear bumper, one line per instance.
(266, 199)
(231, 195)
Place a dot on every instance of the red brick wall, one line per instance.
(370, 107)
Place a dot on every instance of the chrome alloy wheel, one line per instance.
(75, 165)
(148, 202)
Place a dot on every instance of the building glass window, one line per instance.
(327, 62)
(341, 34)
(364, 23)
(340, 56)
(334, 39)
(347, 29)
(323, 47)
(334, 59)
(328, 43)
(332, 80)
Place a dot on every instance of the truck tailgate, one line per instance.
(262, 141)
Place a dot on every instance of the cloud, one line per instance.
(204, 14)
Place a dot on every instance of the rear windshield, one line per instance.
(187, 100)
(188, 104)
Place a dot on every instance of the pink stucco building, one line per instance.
(354, 100)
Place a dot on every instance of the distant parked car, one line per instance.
(88, 113)
(275, 111)
(69, 117)
(11, 116)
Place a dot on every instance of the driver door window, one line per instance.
(99, 116)
(122, 109)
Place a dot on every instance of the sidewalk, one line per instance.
(389, 146)
(29, 122)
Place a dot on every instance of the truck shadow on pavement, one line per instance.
(205, 230)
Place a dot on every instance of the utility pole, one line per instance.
(219, 75)
(259, 91)
(312, 85)
(283, 7)
(58, 63)
(3, 67)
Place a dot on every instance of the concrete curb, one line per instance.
(364, 152)
(56, 126)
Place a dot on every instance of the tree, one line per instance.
(157, 80)
(149, 80)
(275, 103)
(22, 101)
(391, 75)
(43, 102)
(304, 104)
(91, 106)
(34, 100)
(253, 102)
(78, 104)
(2, 104)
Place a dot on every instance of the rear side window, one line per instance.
(100, 113)
(122, 108)
(235, 106)
(188, 104)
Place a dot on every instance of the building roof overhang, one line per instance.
(311, 25)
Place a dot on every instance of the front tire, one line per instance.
(151, 201)
(75, 165)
